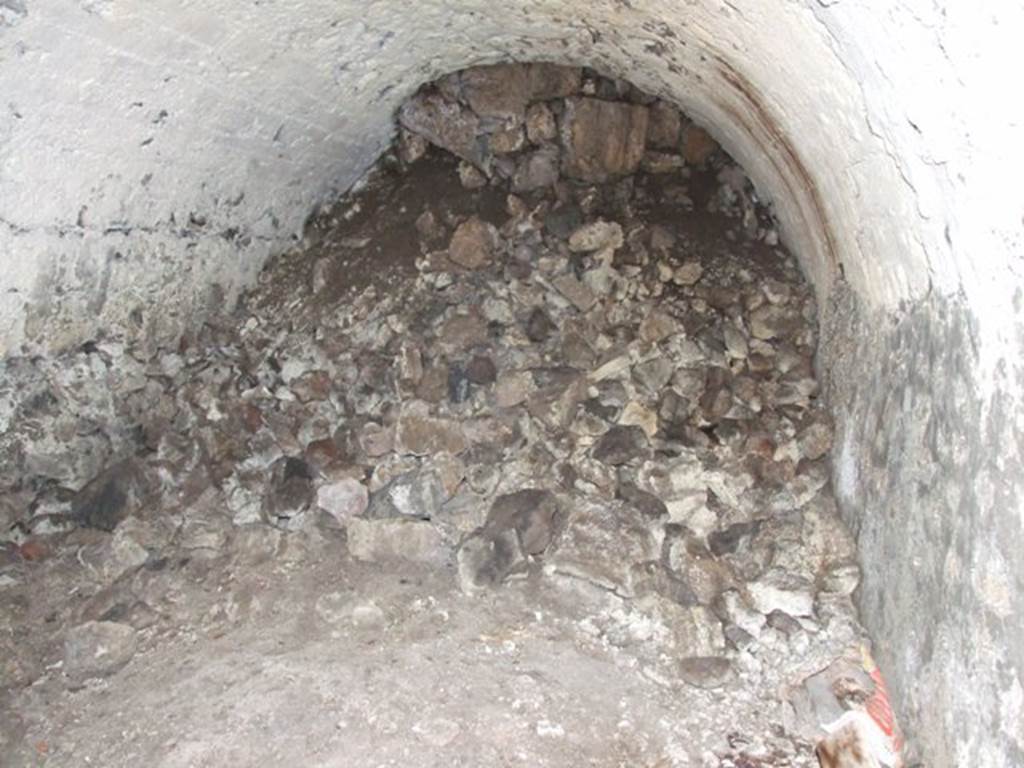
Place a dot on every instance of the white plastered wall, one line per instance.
(153, 153)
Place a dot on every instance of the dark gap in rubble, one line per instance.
(523, 440)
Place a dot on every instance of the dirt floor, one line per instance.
(473, 477)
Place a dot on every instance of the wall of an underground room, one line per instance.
(153, 155)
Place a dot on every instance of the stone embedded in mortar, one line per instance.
(602, 139)
(343, 499)
(446, 124)
(664, 126)
(601, 543)
(418, 494)
(621, 445)
(419, 434)
(513, 389)
(540, 124)
(536, 170)
(499, 91)
(505, 141)
(698, 146)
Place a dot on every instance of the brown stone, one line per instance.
(698, 145)
(551, 81)
(500, 91)
(664, 126)
(603, 138)
(461, 332)
(506, 140)
(473, 244)
(423, 435)
(312, 386)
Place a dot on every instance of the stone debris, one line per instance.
(384, 540)
(577, 390)
(98, 649)
(473, 244)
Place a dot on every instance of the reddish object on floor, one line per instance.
(32, 550)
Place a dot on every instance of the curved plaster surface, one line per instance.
(154, 153)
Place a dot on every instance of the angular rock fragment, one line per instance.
(602, 139)
(657, 326)
(578, 294)
(519, 525)
(418, 494)
(532, 513)
(621, 445)
(698, 146)
(419, 434)
(540, 124)
(647, 504)
(462, 332)
(664, 126)
(539, 326)
(552, 81)
(705, 671)
(396, 539)
(445, 124)
(473, 244)
(779, 591)
(513, 389)
(110, 498)
(536, 170)
(507, 140)
(596, 236)
(343, 499)
(499, 91)
(98, 649)
(481, 370)
(601, 544)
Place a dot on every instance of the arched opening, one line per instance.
(144, 193)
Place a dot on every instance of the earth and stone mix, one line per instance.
(528, 426)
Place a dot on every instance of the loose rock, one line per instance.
(98, 649)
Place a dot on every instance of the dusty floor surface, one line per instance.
(473, 478)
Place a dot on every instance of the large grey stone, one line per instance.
(98, 649)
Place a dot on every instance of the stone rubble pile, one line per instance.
(576, 392)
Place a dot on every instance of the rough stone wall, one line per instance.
(153, 154)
